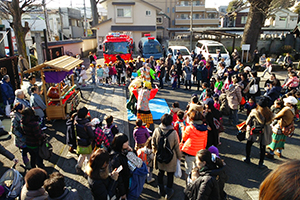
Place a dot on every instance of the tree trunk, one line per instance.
(95, 14)
(18, 28)
(253, 27)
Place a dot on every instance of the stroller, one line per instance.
(12, 181)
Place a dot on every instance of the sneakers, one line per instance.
(44, 128)
(278, 154)
(246, 160)
(150, 181)
(169, 193)
(261, 166)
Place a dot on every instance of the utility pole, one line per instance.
(191, 27)
(85, 21)
(61, 24)
(46, 21)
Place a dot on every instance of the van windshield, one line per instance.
(183, 52)
(116, 48)
(152, 48)
(213, 49)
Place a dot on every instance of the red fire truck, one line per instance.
(117, 44)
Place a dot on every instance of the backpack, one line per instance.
(46, 150)
(13, 182)
(107, 131)
(181, 128)
(164, 152)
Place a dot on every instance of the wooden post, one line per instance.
(73, 79)
(44, 88)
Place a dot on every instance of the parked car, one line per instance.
(183, 51)
(210, 47)
(149, 46)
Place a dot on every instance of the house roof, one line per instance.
(104, 21)
(63, 63)
(157, 8)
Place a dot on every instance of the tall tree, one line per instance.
(259, 10)
(95, 14)
(16, 8)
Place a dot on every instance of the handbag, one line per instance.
(257, 127)
(45, 150)
(241, 135)
(243, 101)
(253, 88)
(82, 149)
(178, 172)
(134, 159)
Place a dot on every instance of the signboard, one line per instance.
(246, 47)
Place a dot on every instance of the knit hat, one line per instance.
(247, 69)
(214, 150)
(292, 100)
(263, 102)
(1, 190)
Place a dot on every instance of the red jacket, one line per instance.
(193, 140)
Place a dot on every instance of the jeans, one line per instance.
(262, 151)
(234, 116)
(93, 79)
(170, 178)
(24, 152)
(198, 84)
(161, 83)
(35, 158)
(189, 163)
(149, 175)
(174, 84)
(268, 69)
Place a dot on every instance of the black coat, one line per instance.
(102, 187)
(208, 186)
(117, 159)
(85, 132)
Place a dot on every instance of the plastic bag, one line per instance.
(80, 80)
(178, 172)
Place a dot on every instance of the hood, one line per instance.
(200, 127)
(27, 119)
(233, 88)
(82, 120)
(258, 116)
(175, 110)
(142, 171)
(212, 172)
(165, 128)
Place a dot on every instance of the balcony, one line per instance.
(203, 21)
(188, 8)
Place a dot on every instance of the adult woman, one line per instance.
(234, 97)
(293, 81)
(212, 113)
(199, 74)
(101, 183)
(282, 183)
(273, 91)
(16, 129)
(8, 95)
(205, 184)
(259, 118)
(178, 67)
(118, 157)
(254, 80)
(84, 135)
(32, 130)
(194, 139)
(170, 168)
(271, 79)
(188, 69)
(283, 119)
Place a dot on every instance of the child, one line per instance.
(38, 105)
(212, 83)
(109, 129)
(93, 73)
(134, 74)
(100, 74)
(217, 104)
(180, 124)
(174, 77)
(140, 134)
(83, 76)
(203, 94)
(101, 139)
(106, 74)
(218, 85)
(251, 104)
(174, 111)
(297, 95)
(146, 154)
(276, 108)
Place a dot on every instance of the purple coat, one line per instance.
(140, 135)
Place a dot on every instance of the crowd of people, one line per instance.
(114, 169)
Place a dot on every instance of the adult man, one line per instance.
(91, 57)
(235, 56)
(20, 98)
(219, 55)
(139, 63)
(23, 65)
(169, 63)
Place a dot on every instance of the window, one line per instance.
(184, 3)
(173, 22)
(124, 12)
(282, 18)
(148, 13)
(168, 10)
(244, 19)
(159, 20)
(184, 16)
(211, 16)
(196, 16)
(196, 3)
(294, 18)
(173, 9)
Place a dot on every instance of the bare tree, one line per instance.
(16, 8)
(95, 14)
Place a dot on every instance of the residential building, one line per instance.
(136, 16)
(283, 18)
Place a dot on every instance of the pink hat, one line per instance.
(1, 190)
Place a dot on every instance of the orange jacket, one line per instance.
(193, 140)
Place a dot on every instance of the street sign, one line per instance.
(246, 47)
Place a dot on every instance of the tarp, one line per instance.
(56, 77)
(158, 108)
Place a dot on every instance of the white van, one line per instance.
(210, 47)
(183, 50)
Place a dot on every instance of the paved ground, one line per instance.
(244, 180)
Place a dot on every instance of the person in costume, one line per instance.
(146, 73)
(143, 96)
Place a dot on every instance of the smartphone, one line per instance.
(119, 169)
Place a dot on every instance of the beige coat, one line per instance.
(266, 137)
(234, 96)
(173, 140)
